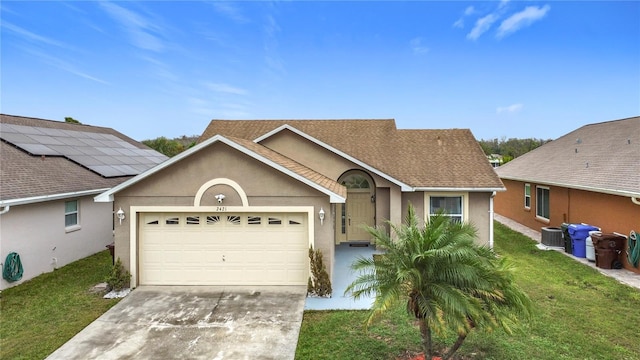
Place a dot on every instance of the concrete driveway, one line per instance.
(194, 323)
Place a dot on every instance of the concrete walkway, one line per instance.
(345, 255)
(624, 276)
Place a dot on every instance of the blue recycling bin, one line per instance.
(578, 234)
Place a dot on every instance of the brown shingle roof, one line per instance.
(448, 158)
(603, 157)
(24, 176)
(292, 165)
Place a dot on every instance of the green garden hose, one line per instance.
(633, 253)
(12, 270)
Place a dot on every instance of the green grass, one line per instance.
(38, 316)
(579, 314)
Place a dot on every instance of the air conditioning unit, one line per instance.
(552, 236)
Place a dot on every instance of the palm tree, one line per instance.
(447, 281)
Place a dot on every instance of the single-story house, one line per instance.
(49, 173)
(590, 175)
(245, 204)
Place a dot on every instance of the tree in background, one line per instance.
(171, 147)
(70, 120)
(448, 282)
(511, 148)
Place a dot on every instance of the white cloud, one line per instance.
(513, 108)
(63, 65)
(418, 47)
(28, 35)
(470, 10)
(229, 10)
(482, 25)
(522, 19)
(225, 88)
(142, 32)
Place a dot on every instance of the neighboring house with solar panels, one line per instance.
(590, 175)
(49, 173)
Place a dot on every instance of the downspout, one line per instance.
(491, 220)
(635, 200)
(5, 209)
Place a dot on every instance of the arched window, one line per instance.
(355, 181)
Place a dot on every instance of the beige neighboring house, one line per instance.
(244, 205)
(49, 173)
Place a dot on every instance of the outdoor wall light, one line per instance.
(220, 197)
(321, 215)
(120, 215)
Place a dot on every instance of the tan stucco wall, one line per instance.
(611, 213)
(264, 186)
(479, 215)
(417, 200)
(37, 233)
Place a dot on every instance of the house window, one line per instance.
(71, 213)
(527, 196)
(449, 205)
(542, 202)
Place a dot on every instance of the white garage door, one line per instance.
(223, 249)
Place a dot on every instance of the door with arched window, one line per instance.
(359, 209)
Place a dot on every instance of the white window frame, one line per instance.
(464, 203)
(76, 226)
(527, 197)
(540, 204)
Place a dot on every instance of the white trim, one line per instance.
(491, 218)
(108, 196)
(463, 189)
(577, 187)
(36, 199)
(135, 210)
(404, 187)
(220, 181)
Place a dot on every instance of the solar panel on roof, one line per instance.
(38, 149)
(106, 154)
(18, 138)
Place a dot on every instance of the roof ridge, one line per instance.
(54, 121)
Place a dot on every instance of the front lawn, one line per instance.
(579, 314)
(40, 315)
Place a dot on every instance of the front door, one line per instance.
(359, 210)
(359, 215)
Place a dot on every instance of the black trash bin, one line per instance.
(566, 237)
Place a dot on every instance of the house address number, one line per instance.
(221, 208)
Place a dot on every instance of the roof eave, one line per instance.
(42, 198)
(576, 187)
(108, 195)
(465, 189)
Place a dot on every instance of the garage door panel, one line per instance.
(224, 249)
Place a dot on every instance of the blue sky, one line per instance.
(166, 68)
